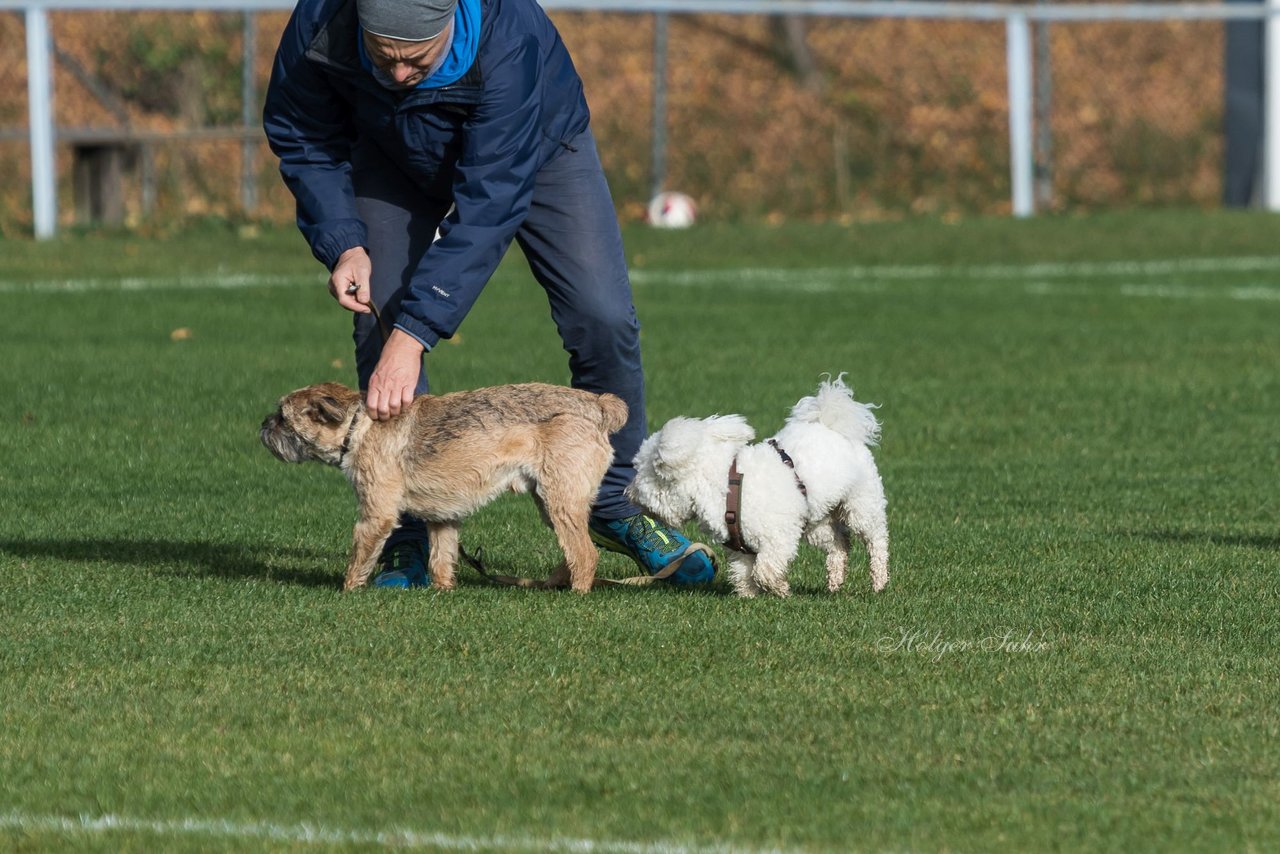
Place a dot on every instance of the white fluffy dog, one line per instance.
(834, 489)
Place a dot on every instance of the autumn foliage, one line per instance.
(892, 117)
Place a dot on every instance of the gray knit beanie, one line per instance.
(408, 20)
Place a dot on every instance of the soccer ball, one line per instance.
(672, 210)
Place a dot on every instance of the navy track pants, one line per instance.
(574, 249)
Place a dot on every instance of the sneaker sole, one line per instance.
(400, 581)
(617, 548)
(613, 546)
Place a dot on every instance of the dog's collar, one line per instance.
(733, 501)
(346, 442)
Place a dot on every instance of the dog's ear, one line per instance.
(327, 410)
(677, 443)
(683, 439)
(733, 429)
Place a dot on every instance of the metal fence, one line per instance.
(127, 124)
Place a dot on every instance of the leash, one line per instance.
(353, 289)
(476, 562)
(733, 500)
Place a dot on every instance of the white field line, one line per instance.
(156, 283)
(1246, 293)
(984, 272)
(320, 835)
(1036, 279)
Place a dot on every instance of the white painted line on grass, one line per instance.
(865, 279)
(319, 835)
(156, 283)
(893, 272)
(1249, 292)
(1242, 293)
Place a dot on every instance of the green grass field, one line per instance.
(1078, 650)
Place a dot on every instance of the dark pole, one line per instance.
(1044, 114)
(659, 136)
(1243, 113)
(249, 118)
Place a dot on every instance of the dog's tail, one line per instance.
(613, 412)
(834, 407)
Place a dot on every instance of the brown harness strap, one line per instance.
(733, 511)
(733, 501)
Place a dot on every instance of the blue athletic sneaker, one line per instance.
(652, 546)
(404, 565)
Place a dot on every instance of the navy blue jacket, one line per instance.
(479, 141)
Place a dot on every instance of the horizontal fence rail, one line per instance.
(1016, 17)
(819, 8)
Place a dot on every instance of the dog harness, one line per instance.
(733, 502)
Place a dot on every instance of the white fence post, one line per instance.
(1021, 160)
(44, 179)
(1271, 107)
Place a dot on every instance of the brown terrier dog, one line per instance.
(445, 457)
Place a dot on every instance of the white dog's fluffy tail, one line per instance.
(834, 407)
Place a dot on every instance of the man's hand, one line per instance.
(394, 379)
(353, 268)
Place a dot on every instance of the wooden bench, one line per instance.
(104, 160)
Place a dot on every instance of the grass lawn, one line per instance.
(1078, 648)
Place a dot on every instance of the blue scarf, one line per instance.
(462, 53)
